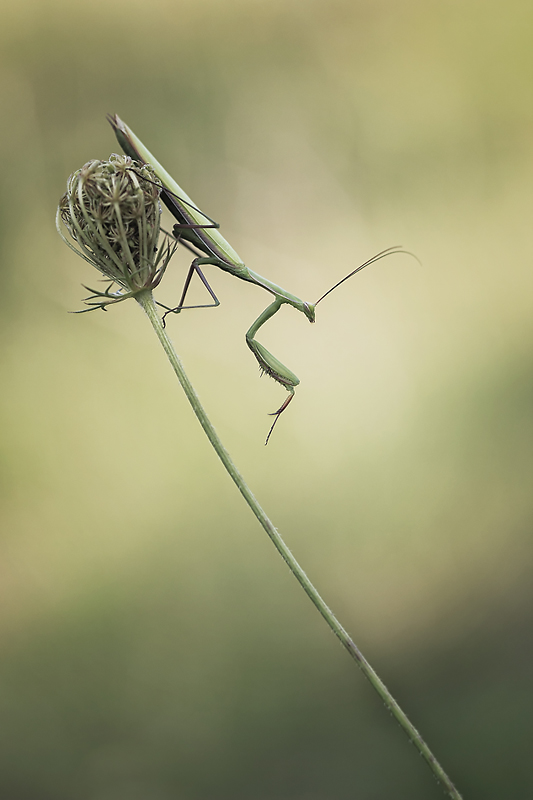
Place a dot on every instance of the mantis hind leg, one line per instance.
(268, 363)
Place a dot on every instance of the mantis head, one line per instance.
(309, 311)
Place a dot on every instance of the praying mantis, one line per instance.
(201, 235)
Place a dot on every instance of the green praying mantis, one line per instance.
(200, 234)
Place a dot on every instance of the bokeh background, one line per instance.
(153, 645)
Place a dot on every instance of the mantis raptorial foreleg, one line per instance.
(268, 363)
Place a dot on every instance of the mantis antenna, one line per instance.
(390, 251)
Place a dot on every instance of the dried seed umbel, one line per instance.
(111, 209)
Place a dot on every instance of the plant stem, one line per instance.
(146, 300)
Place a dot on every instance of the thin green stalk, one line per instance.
(147, 302)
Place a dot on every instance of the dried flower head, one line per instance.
(112, 210)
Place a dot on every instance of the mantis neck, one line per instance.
(282, 294)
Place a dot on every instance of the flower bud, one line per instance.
(111, 209)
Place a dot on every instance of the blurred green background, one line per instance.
(153, 645)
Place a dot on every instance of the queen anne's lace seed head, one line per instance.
(111, 209)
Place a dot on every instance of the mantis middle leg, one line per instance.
(195, 267)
